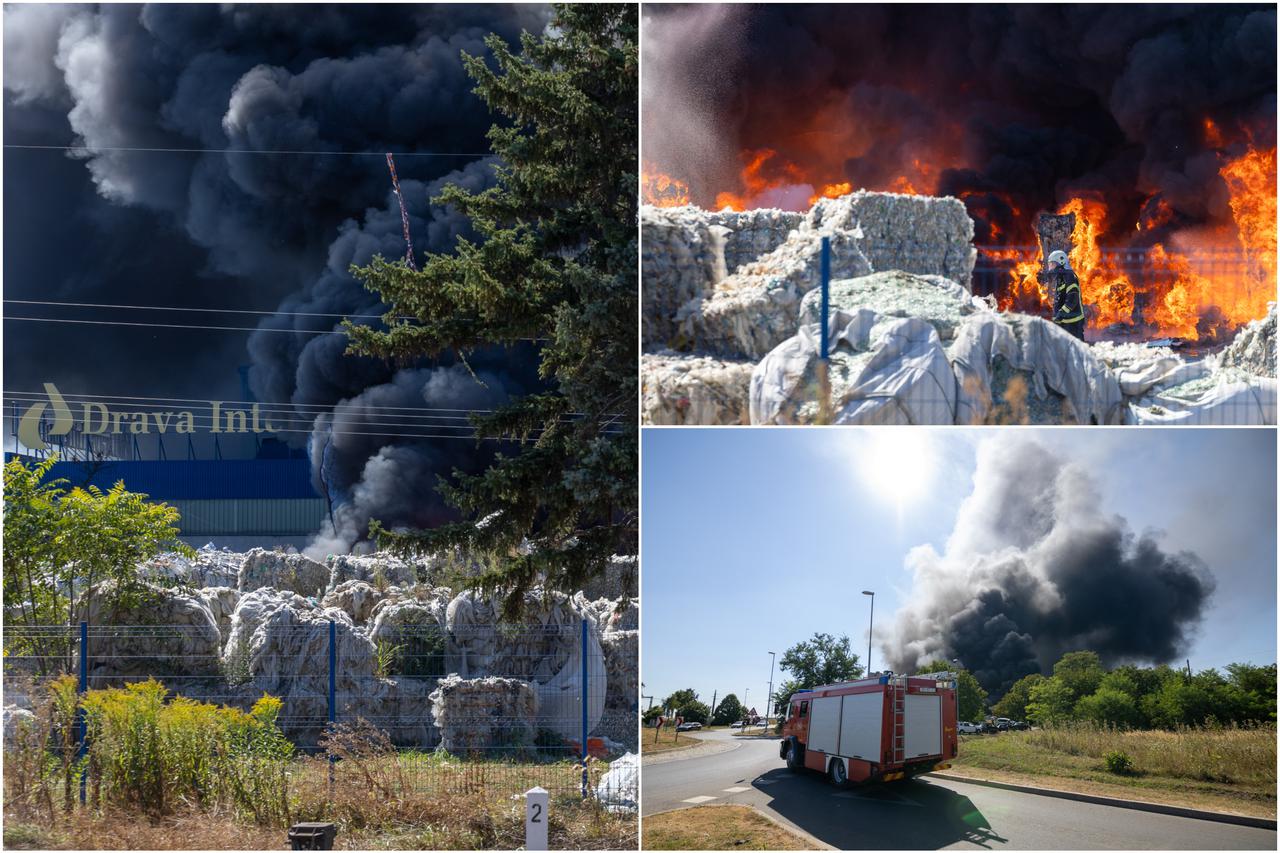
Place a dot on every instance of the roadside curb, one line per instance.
(1116, 802)
(702, 749)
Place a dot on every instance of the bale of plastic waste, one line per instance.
(484, 714)
(681, 388)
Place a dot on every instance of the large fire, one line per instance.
(1189, 284)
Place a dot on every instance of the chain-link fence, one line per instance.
(494, 709)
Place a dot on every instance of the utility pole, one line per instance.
(870, 626)
(714, 694)
(768, 702)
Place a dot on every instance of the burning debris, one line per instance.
(1153, 138)
(909, 342)
(1034, 568)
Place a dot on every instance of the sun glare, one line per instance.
(897, 464)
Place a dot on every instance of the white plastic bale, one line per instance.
(382, 568)
(882, 370)
(918, 234)
(484, 713)
(357, 598)
(221, 601)
(1064, 382)
(686, 250)
(1253, 349)
(680, 388)
(292, 572)
(937, 300)
(757, 307)
(184, 641)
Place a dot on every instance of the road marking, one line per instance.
(738, 790)
(698, 800)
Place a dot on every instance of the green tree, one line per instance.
(1013, 704)
(680, 698)
(730, 710)
(971, 698)
(1079, 672)
(823, 659)
(62, 547)
(555, 261)
(1109, 707)
(696, 712)
(1050, 701)
(1178, 702)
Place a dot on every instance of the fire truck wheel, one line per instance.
(795, 757)
(837, 774)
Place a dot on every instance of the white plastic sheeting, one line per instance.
(619, 788)
(883, 370)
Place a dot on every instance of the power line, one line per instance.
(282, 151)
(317, 408)
(202, 310)
(204, 328)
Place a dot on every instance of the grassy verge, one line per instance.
(1231, 770)
(409, 801)
(667, 739)
(755, 731)
(718, 828)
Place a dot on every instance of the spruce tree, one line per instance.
(554, 258)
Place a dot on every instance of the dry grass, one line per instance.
(1227, 769)
(666, 740)
(379, 798)
(718, 828)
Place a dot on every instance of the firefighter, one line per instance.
(1068, 309)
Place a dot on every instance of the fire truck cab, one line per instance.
(878, 729)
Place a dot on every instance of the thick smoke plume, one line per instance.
(215, 228)
(1034, 569)
(1004, 106)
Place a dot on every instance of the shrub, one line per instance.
(149, 754)
(1118, 762)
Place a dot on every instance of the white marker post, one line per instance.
(535, 818)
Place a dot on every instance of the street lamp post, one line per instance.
(768, 702)
(870, 625)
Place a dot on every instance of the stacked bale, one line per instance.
(484, 714)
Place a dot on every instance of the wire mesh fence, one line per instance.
(484, 709)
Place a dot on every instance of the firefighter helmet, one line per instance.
(1059, 257)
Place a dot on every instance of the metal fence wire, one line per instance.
(496, 709)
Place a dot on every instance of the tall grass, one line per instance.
(149, 754)
(1228, 754)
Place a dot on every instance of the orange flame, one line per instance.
(662, 190)
(1251, 182)
(831, 191)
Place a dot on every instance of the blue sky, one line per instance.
(753, 539)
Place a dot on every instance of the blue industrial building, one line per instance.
(236, 503)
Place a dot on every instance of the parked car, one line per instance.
(737, 725)
(966, 728)
(688, 727)
(1020, 726)
(1003, 724)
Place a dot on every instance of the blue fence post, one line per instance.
(82, 723)
(586, 699)
(826, 292)
(333, 697)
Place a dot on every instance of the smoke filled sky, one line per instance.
(1033, 103)
(753, 541)
(273, 182)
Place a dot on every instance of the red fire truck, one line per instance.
(882, 728)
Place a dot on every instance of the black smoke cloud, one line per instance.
(1030, 101)
(1034, 569)
(270, 232)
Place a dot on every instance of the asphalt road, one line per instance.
(924, 813)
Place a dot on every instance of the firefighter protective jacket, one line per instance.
(1067, 305)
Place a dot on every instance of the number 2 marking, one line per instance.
(537, 813)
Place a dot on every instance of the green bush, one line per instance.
(147, 753)
(1118, 762)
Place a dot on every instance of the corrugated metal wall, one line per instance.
(250, 516)
(197, 479)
